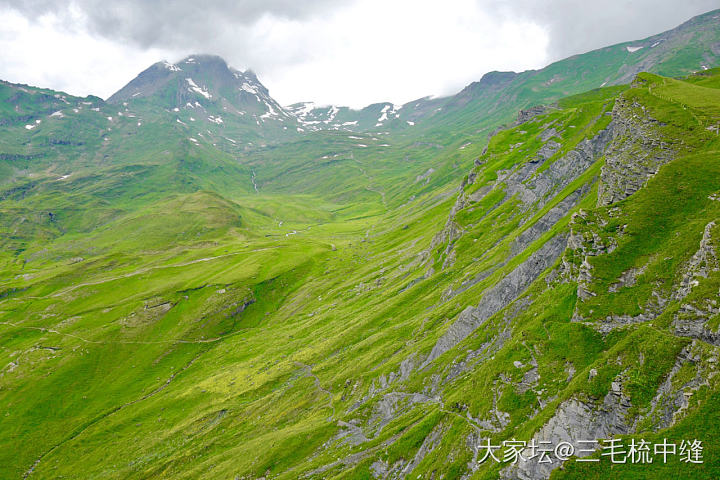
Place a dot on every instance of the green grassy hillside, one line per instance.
(178, 303)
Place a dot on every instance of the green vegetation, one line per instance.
(257, 303)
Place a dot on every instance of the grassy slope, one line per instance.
(169, 321)
(136, 364)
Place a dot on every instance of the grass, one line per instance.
(170, 321)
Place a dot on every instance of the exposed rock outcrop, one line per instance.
(673, 396)
(401, 469)
(532, 112)
(692, 317)
(499, 296)
(636, 152)
(547, 221)
(538, 188)
(584, 242)
(576, 422)
(703, 262)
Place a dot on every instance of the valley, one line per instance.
(197, 282)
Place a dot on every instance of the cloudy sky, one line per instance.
(349, 52)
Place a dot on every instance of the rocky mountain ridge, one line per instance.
(189, 290)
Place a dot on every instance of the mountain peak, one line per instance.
(207, 83)
(199, 75)
(204, 61)
(496, 78)
(192, 63)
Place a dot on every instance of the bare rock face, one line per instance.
(538, 188)
(700, 265)
(532, 112)
(575, 421)
(627, 279)
(584, 242)
(499, 296)
(549, 149)
(636, 152)
(547, 221)
(673, 396)
(392, 405)
(690, 322)
(583, 422)
(691, 318)
(533, 188)
(402, 469)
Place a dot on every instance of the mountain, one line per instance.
(690, 47)
(203, 88)
(314, 117)
(202, 81)
(190, 290)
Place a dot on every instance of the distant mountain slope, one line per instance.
(372, 117)
(203, 109)
(567, 291)
(192, 288)
(692, 46)
(204, 80)
(203, 88)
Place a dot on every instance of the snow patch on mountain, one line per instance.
(312, 116)
(194, 88)
(332, 113)
(271, 113)
(249, 88)
(171, 66)
(303, 110)
(388, 111)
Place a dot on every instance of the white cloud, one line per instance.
(377, 50)
(45, 53)
(363, 52)
(351, 52)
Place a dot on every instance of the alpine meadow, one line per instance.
(197, 282)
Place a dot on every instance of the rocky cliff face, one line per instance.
(578, 423)
(567, 290)
(499, 296)
(693, 316)
(573, 208)
(637, 150)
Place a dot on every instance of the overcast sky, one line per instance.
(348, 52)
